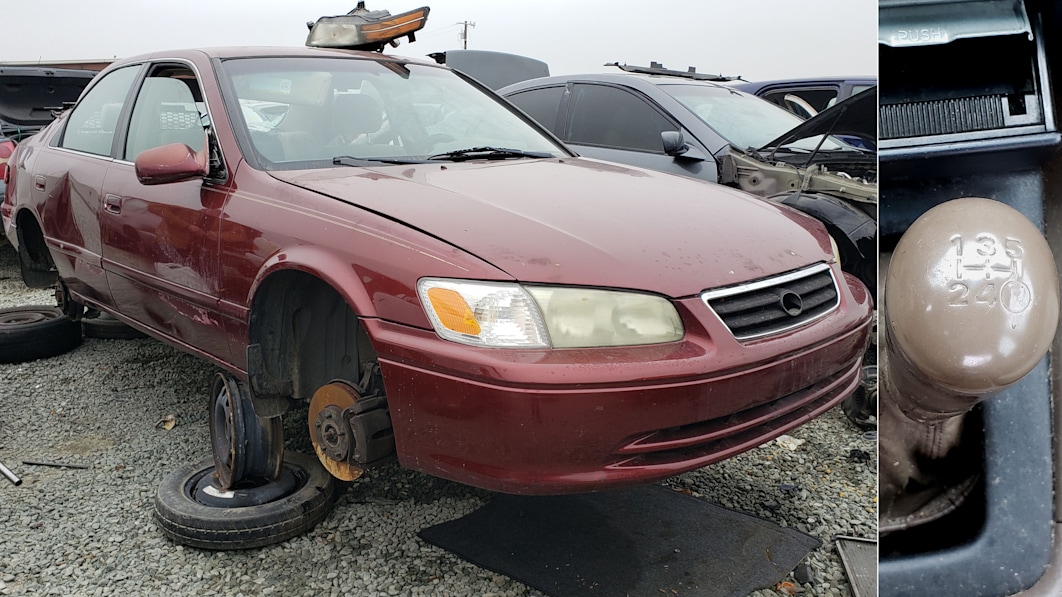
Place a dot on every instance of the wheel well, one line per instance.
(38, 269)
(307, 334)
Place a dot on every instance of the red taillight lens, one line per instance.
(6, 148)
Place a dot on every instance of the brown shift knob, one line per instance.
(971, 302)
(971, 305)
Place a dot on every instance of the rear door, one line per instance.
(160, 242)
(67, 183)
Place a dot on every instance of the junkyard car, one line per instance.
(440, 278)
(28, 97)
(697, 125)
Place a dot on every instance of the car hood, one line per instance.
(856, 116)
(30, 94)
(585, 222)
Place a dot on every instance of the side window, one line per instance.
(613, 117)
(817, 99)
(166, 111)
(541, 105)
(92, 123)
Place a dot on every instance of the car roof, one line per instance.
(754, 86)
(226, 52)
(636, 81)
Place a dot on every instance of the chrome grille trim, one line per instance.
(762, 288)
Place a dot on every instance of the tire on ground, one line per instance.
(186, 521)
(106, 327)
(36, 332)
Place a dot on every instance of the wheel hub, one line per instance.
(333, 433)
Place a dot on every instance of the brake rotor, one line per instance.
(333, 440)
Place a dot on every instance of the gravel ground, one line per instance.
(90, 531)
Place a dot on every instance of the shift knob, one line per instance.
(971, 306)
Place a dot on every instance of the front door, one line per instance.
(160, 242)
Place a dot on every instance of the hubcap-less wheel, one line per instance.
(247, 449)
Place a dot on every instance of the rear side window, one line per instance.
(91, 125)
(613, 117)
(541, 105)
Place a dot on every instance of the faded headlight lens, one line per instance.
(509, 315)
(836, 251)
(580, 317)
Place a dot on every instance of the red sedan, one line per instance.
(437, 276)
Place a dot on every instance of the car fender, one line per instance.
(854, 231)
(322, 264)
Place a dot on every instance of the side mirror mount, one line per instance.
(171, 163)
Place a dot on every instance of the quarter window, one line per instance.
(612, 117)
(92, 123)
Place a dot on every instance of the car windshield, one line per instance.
(743, 120)
(311, 112)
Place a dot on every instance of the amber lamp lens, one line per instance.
(453, 311)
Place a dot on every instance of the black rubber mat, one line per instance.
(643, 541)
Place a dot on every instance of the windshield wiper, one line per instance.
(488, 153)
(349, 160)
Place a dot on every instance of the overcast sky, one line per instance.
(757, 39)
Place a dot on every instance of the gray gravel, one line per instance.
(90, 531)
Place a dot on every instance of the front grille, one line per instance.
(777, 304)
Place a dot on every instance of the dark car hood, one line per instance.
(581, 221)
(856, 116)
(31, 93)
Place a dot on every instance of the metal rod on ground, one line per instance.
(10, 475)
(53, 464)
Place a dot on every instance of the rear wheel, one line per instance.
(36, 332)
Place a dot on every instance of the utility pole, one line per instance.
(464, 32)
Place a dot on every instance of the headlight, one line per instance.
(500, 314)
(836, 251)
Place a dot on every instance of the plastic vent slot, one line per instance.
(942, 117)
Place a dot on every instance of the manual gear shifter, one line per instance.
(971, 305)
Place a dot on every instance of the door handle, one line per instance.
(112, 204)
(39, 182)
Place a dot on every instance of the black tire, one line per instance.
(105, 326)
(861, 407)
(36, 332)
(189, 522)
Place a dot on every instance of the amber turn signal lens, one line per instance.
(453, 311)
(400, 25)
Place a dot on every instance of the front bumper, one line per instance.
(565, 421)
